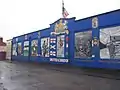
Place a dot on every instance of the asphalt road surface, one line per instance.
(33, 76)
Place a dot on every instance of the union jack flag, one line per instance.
(53, 40)
(52, 53)
(64, 11)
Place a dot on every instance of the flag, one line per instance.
(53, 40)
(64, 11)
(52, 53)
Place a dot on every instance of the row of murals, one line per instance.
(45, 47)
(89, 42)
(109, 45)
(54, 46)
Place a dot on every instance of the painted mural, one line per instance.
(26, 48)
(61, 27)
(60, 45)
(110, 43)
(19, 48)
(45, 47)
(83, 44)
(59, 42)
(34, 47)
(14, 50)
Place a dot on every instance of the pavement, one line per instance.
(36, 76)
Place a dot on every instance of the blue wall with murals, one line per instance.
(85, 42)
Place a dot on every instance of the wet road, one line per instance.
(27, 76)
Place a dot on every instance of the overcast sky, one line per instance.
(18, 17)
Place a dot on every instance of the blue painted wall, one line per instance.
(109, 19)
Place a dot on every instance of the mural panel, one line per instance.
(19, 48)
(26, 48)
(60, 45)
(110, 43)
(34, 47)
(59, 42)
(83, 44)
(14, 51)
(45, 47)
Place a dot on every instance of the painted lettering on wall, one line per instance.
(58, 60)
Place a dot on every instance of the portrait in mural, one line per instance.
(34, 47)
(26, 48)
(60, 45)
(14, 50)
(19, 48)
(110, 43)
(45, 47)
(83, 44)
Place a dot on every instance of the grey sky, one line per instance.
(18, 17)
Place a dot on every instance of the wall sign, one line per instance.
(58, 60)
